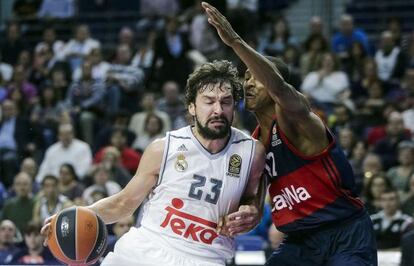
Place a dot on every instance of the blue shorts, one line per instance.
(349, 244)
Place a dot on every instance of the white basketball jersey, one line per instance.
(195, 188)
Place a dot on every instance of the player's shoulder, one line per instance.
(181, 133)
(240, 135)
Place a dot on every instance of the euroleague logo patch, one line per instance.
(235, 163)
(187, 225)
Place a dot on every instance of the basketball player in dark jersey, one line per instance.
(310, 178)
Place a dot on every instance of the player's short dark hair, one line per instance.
(218, 71)
(281, 67)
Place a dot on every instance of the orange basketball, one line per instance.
(77, 236)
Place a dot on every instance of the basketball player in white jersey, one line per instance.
(191, 178)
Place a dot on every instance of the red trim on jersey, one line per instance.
(256, 135)
(345, 192)
(299, 153)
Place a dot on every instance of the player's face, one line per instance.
(255, 94)
(213, 111)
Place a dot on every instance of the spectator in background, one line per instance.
(358, 154)
(3, 89)
(125, 81)
(408, 88)
(8, 248)
(85, 100)
(126, 36)
(99, 66)
(101, 182)
(407, 255)
(79, 47)
(386, 147)
(42, 64)
(354, 64)
(119, 120)
(6, 70)
(159, 8)
(172, 104)
(346, 139)
(67, 150)
(69, 185)
(369, 75)
(278, 40)
(171, 51)
(137, 123)
(26, 8)
(50, 201)
(46, 115)
(391, 61)
(408, 205)
(60, 83)
(15, 136)
(315, 47)
(372, 165)
(111, 161)
(342, 41)
(129, 157)
(315, 25)
(153, 129)
(57, 9)
(201, 35)
(390, 224)
(49, 39)
(145, 54)
(400, 174)
(370, 108)
(343, 117)
(29, 166)
(34, 251)
(19, 209)
(13, 45)
(328, 85)
(374, 188)
(20, 84)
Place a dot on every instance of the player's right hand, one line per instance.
(46, 228)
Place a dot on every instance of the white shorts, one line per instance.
(137, 248)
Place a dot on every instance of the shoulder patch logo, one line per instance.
(181, 164)
(235, 163)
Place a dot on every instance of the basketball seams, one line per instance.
(57, 242)
(96, 238)
(76, 234)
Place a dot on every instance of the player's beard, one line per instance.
(218, 133)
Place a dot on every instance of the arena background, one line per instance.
(116, 69)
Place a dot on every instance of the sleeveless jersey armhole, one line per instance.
(164, 158)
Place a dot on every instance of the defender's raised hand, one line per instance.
(222, 25)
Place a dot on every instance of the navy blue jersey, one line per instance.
(308, 191)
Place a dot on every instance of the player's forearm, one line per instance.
(113, 208)
(261, 68)
(258, 199)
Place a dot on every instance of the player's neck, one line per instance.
(265, 118)
(212, 145)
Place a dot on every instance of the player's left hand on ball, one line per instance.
(45, 228)
(242, 221)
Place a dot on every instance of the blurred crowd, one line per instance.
(75, 118)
